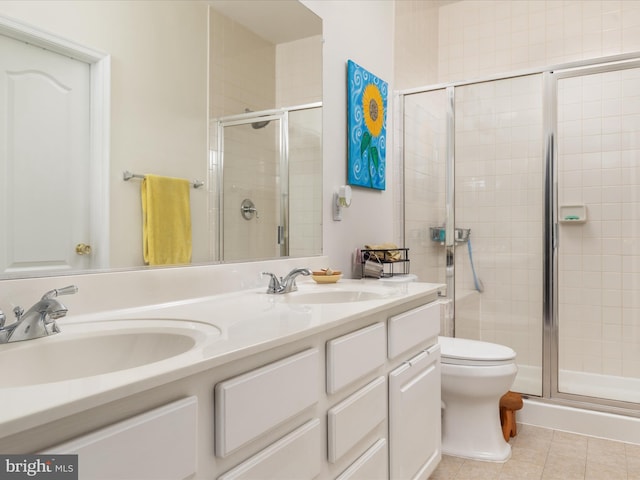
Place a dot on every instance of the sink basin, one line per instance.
(332, 296)
(97, 347)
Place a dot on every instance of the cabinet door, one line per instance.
(372, 465)
(414, 327)
(295, 456)
(250, 405)
(158, 444)
(355, 355)
(355, 417)
(414, 416)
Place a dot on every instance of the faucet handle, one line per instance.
(18, 311)
(56, 292)
(3, 319)
(274, 283)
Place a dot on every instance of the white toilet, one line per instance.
(474, 376)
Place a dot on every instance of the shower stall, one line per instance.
(267, 171)
(542, 170)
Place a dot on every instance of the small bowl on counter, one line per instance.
(326, 276)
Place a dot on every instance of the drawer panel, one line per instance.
(139, 447)
(352, 356)
(352, 419)
(372, 465)
(414, 327)
(251, 404)
(297, 455)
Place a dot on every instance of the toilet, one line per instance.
(475, 375)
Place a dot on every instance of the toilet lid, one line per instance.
(462, 351)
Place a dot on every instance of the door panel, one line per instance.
(44, 165)
(251, 160)
(598, 215)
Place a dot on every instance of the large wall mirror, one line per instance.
(225, 92)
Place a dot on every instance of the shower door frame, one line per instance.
(551, 314)
(282, 182)
(550, 317)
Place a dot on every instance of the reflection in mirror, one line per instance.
(270, 169)
(266, 129)
(158, 107)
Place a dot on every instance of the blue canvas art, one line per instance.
(367, 124)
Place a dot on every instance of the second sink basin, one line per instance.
(332, 296)
(98, 347)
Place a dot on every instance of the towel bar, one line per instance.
(127, 175)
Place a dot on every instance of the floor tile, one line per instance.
(544, 454)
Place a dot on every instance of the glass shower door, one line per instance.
(425, 164)
(598, 214)
(253, 183)
(499, 219)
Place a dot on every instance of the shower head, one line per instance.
(257, 125)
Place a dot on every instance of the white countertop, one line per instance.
(249, 322)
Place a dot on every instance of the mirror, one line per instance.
(177, 68)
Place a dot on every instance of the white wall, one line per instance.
(369, 43)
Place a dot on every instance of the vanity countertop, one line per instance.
(249, 322)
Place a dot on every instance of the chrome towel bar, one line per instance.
(127, 175)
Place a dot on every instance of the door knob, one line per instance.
(83, 249)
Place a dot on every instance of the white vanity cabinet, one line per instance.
(354, 399)
(400, 358)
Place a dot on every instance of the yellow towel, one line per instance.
(166, 218)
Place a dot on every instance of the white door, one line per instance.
(414, 417)
(44, 159)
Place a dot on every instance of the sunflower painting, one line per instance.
(367, 127)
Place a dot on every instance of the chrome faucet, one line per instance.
(39, 320)
(286, 284)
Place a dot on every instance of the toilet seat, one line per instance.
(462, 351)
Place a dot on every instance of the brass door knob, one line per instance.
(83, 249)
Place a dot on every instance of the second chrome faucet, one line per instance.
(285, 284)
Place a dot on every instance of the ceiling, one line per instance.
(279, 21)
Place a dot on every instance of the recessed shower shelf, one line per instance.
(572, 214)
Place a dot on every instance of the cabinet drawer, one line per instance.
(352, 419)
(372, 465)
(352, 356)
(413, 328)
(251, 404)
(158, 444)
(297, 455)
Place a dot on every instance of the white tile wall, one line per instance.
(499, 167)
(484, 37)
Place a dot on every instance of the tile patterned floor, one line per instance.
(543, 454)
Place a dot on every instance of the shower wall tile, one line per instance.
(600, 167)
(478, 38)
